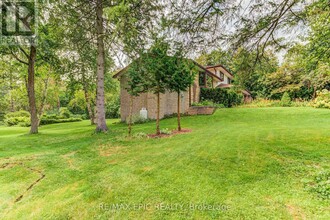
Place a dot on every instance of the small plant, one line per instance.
(322, 100)
(137, 119)
(166, 131)
(140, 135)
(321, 185)
(65, 113)
(286, 100)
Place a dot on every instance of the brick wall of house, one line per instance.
(168, 101)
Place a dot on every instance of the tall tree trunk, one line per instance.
(158, 113)
(89, 106)
(43, 100)
(100, 104)
(130, 116)
(12, 105)
(31, 94)
(314, 92)
(57, 94)
(179, 116)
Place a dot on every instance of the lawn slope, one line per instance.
(236, 164)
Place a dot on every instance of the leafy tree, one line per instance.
(286, 100)
(137, 84)
(181, 76)
(157, 73)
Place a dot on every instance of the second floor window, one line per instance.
(222, 76)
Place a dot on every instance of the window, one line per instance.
(222, 76)
(202, 79)
(229, 81)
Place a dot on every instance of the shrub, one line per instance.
(166, 131)
(47, 121)
(2, 116)
(275, 103)
(225, 97)
(113, 108)
(20, 118)
(21, 113)
(322, 100)
(286, 100)
(22, 121)
(137, 119)
(140, 135)
(65, 113)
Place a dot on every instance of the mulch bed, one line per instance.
(174, 132)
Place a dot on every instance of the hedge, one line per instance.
(22, 118)
(226, 97)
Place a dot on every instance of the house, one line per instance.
(208, 77)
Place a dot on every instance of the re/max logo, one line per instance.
(18, 18)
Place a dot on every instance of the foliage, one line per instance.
(250, 74)
(20, 113)
(320, 185)
(17, 120)
(165, 131)
(112, 107)
(140, 135)
(77, 105)
(65, 112)
(22, 118)
(226, 97)
(46, 121)
(322, 100)
(138, 119)
(276, 103)
(207, 103)
(286, 100)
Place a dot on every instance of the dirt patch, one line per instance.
(69, 159)
(107, 151)
(174, 132)
(295, 212)
(147, 169)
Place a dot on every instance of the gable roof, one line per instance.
(225, 70)
(122, 71)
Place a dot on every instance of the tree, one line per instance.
(181, 76)
(137, 84)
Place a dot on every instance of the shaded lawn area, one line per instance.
(244, 163)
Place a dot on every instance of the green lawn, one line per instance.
(244, 163)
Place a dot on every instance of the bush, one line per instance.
(286, 100)
(140, 135)
(2, 116)
(322, 100)
(65, 113)
(225, 97)
(20, 118)
(166, 131)
(208, 103)
(113, 108)
(47, 121)
(137, 119)
(12, 121)
(21, 113)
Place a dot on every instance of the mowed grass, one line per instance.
(243, 163)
